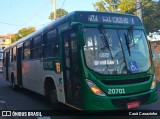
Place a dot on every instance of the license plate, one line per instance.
(133, 105)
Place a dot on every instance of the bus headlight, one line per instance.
(153, 82)
(95, 89)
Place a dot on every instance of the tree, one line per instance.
(59, 13)
(15, 37)
(149, 10)
(22, 33)
(25, 31)
(123, 6)
(107, 5)
(151, 17)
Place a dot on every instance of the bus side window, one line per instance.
(14, 53)
(37, 47)
(50, 44)
(4, 58)
(26, 50)
(11, 55)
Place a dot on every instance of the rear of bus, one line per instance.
(118, 70)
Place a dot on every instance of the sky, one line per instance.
(17, 14)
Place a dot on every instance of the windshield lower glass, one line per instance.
(116, 51)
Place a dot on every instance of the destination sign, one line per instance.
(108, 18)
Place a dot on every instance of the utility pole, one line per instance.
(139, 9)
(54, 5)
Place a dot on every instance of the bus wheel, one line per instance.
(53, 98)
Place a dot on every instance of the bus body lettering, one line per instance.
(116, 91)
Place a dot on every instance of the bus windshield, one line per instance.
(116, 51)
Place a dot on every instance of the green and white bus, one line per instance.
(87, 60)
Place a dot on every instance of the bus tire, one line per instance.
(50, 92)
(53, 98)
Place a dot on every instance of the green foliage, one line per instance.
(59, 13)
(100, 6)
(107, 5)
(15, 37)
(123, 6)
(151, 17)
(26, 31)
(127, 6)
(150, 10)
(22, 33)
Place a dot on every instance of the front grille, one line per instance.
(126, 81)
(122, 103)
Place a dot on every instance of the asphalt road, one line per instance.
(27, 100)
(20, 100)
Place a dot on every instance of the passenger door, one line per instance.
(19, 66)
(7, 65)
(71, 68)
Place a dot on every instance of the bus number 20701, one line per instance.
(116, 91)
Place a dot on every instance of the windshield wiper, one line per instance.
(106, 43)
(127, 43)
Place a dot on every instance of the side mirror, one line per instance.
(75, 24)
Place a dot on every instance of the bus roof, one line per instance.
(87, 17)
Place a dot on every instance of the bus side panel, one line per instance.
(34, 78)
(26, 75)
(32, 74)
